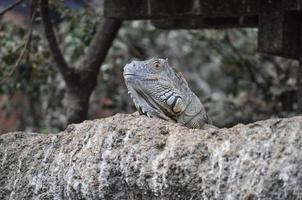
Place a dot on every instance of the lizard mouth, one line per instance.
(129, 74)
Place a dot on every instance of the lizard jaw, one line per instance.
(129, 75)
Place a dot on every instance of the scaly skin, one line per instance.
(157, 90)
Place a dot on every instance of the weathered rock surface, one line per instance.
(133, 157)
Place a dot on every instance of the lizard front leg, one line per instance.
(146, 108)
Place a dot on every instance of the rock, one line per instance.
(134, 157)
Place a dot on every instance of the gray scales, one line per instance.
(157, 90)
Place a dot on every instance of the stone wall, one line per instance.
(134, 157)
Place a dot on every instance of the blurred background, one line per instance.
(235, 83)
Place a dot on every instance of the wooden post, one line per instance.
(299, 74)
(299, 85)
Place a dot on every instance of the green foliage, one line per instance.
(36, 76)
(32, 71)
(76, 31)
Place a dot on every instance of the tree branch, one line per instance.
(135, 51)
(67, 72)
(99, 45)
(12, 6)
(77, 96)
(247, 63)
(80, 81)
(26, 46)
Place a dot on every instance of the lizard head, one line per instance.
(155, 83)
(154, 68)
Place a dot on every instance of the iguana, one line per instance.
(157, 90)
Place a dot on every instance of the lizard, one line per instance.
(158, 90)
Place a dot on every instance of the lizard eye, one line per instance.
(156, 65)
